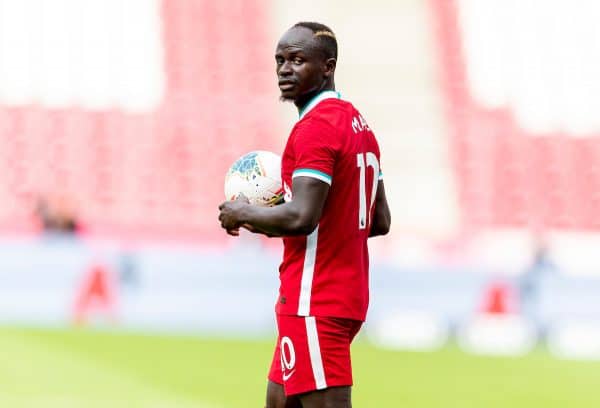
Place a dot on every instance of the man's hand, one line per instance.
(297, 217)
(257, 231)
(230, 214)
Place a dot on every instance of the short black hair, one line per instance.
(324, 37)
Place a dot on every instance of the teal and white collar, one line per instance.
(319, 98)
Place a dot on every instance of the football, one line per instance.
(257, 175)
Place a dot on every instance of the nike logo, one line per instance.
(288, 375)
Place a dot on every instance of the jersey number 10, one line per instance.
(364, 160)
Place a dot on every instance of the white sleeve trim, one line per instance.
(319, 175)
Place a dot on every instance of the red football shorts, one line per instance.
(313, 353)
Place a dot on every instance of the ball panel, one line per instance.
(257, 175)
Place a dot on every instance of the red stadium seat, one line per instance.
(159, 173)
(508, 176)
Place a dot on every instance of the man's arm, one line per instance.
(297, 217)
(381, 215)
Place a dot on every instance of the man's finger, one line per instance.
(249, 227)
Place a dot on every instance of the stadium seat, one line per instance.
(157, 173)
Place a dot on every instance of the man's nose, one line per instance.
(285, 68)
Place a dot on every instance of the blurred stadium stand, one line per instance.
(499, 157)
(522, 107)
(146, 171)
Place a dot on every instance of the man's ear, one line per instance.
(330, 65)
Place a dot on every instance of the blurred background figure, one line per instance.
(530, 281)
(56, 215)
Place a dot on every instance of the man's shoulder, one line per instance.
(328, 115)
(314, 122)
(332, 107)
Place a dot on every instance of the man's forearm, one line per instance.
(281, 220)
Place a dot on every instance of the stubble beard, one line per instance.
(285, 99)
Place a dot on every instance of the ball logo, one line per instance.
(288, 357)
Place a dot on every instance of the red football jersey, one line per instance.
(327, 272)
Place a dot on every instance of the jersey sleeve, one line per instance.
(316, 146)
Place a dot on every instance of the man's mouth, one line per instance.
(286, 85)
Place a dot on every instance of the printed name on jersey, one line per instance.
(359, 124)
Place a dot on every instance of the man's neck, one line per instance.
(304, 100)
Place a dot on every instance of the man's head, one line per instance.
(306, 58)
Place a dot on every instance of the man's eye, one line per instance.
(279, 61)
(298, 61)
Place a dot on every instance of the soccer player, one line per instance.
(334, 200)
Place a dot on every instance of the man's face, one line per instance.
(301, 67)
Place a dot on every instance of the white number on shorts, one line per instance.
(288, 359)
(371, 161)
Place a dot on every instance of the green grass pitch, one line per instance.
(78, 368)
